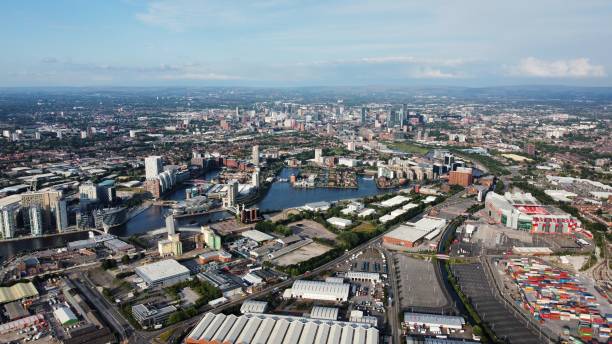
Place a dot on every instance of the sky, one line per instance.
(305, 43)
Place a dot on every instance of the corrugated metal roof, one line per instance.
(252, 306)
(326, 313)
(320, 290)
(293, 333)
(347, 335)
(17, 291)
(279, 329)
(249, 330)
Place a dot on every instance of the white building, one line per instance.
(153, 166)
(89, 191)
(255, 157)
(339, 222)
(324, 313)
(395, 201)
(163, 273)
(277, 329)
(434, 322)
(252, 306)
(318, 290)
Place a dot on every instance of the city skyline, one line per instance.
(294, 43)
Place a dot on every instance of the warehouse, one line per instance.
(277, 329)
(318, 290)
(363, 276)
(433, 322)
(163, 273)
(148, 315)
(395, 201)
(252, 306)
(18, 291)
(411, 234)
(65, 316)
(256, 235)
(339, 222)
(324, 313)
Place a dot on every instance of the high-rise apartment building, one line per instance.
(88, 190)
(53, 209)
(35, 215)
(153, 166)
(255, 157)
(8, 220)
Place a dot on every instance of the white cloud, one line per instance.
(409, 60)
(576, 68)
(200, 76)
(432, 73)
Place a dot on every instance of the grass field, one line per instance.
(365, 227)
(409, 147)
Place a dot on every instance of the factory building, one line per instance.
(163, 273)
(278, 329)
(318, 290)
(252, 306)
(324, 313)
(522, 211)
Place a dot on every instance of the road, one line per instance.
(393, 308)
(115, 319)
(148, 336)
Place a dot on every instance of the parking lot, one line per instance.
(473, 283)
(419, 288)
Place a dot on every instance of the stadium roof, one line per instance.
(17, 292)
(270, 329)
(162, 270)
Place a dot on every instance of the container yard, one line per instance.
(557, 298)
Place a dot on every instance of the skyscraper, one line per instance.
(255, 178)
(364, 113)
(36, 220)
(153, 166)
(232, 193)
(255, 157)
(53, 211)
(8, 216)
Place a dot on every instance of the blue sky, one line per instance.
(305, 43)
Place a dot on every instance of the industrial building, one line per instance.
(256, 235)
(363, 276)
(65, 316)
(18, 291)
(252, 306)
(339, 222)
(278, 329)
(412, 233)
(324, 313)
(318, 290)
(522, 211)
(163, 273)
(434, 322)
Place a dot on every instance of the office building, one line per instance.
(255, 158)
(462, 176)
(364, 114)
(153, 166)
(164, 273)
(148, 315)
(89, 191)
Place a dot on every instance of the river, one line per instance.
(281, 195)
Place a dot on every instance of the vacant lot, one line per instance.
(365, 227)
(302, 254)
(410, 148)
(311, 229)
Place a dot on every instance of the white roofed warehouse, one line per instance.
(318, 290)
(163, 273)
(272, 329)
